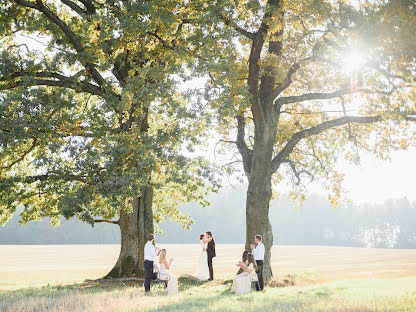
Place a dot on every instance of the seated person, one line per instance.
(243, 264)
(242, 281)
(172, 285)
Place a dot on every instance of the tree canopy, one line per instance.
(90, 112)
(93, 124)
(306, 83)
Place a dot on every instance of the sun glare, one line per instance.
(352, 61)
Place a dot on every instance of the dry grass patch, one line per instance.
(282, 281)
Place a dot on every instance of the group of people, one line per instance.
(155, 260)
(162, 266)
(204, 270)
(250, 266)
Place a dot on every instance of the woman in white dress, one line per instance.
(242, 281)
(172, 287)
(202, 272)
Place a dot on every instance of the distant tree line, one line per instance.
(391, 224)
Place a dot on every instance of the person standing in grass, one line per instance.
(258, 252)
(202, 271)
(210, 254)
(150, 252)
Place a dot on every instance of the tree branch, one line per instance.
(27, 4)
(296, 172)
(286, 82)
(164, 43)
(259, 90)
(312, 112)
(237, 28)
(74, 7)
(89, 5)
(275, 46)
(298, 136)
(310, 96)
(68, 32)
(63, 81)
(25, 153)
(228, 141)
(44, 177)
(325, 95)
(107, 221)
(245, 152)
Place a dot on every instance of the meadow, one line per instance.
(49, 278)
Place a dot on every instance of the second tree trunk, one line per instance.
(134, 226)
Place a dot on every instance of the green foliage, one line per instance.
(334, 59)
(90, 112)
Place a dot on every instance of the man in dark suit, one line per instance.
(210, 254)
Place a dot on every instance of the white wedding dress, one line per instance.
(202, 272)
(172, 287)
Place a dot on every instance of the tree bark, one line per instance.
(145, 224)
(134, 226)
(259, 193)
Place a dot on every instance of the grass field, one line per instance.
(327, 279)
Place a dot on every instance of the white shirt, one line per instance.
(258, 252)
(149, 251)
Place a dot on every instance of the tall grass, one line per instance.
(352, 296)
(333, 279)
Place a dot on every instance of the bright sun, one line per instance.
(352, 61)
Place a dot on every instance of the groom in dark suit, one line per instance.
(210, 254)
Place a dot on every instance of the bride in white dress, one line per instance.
(202, 272)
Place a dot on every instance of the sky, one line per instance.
(375, 180)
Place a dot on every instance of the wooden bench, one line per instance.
(160, 277)
(254, 279)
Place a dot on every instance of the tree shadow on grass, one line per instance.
(99, 286)
(250, 302)
(303, 300)
(56, 290)
(187, 282)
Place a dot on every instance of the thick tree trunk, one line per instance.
(259, 194)
(134, 226)
(145, 224)
(257, 221)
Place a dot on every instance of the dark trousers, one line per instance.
(148, 268)
(211, 270)
(260, 284)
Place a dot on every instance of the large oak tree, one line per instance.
(309, 82)
(90, 123)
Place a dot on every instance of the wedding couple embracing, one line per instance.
(204, 270)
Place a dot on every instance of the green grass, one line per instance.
(348, 295)
(333, 279)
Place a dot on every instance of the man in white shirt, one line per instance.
(258, 253)
(150, 252)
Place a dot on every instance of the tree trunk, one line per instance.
(134, 226)
(145, 224)
(259, 194)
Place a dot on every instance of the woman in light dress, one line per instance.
(243, 263)
(242, 281)
(172, 286)
(202, 272)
